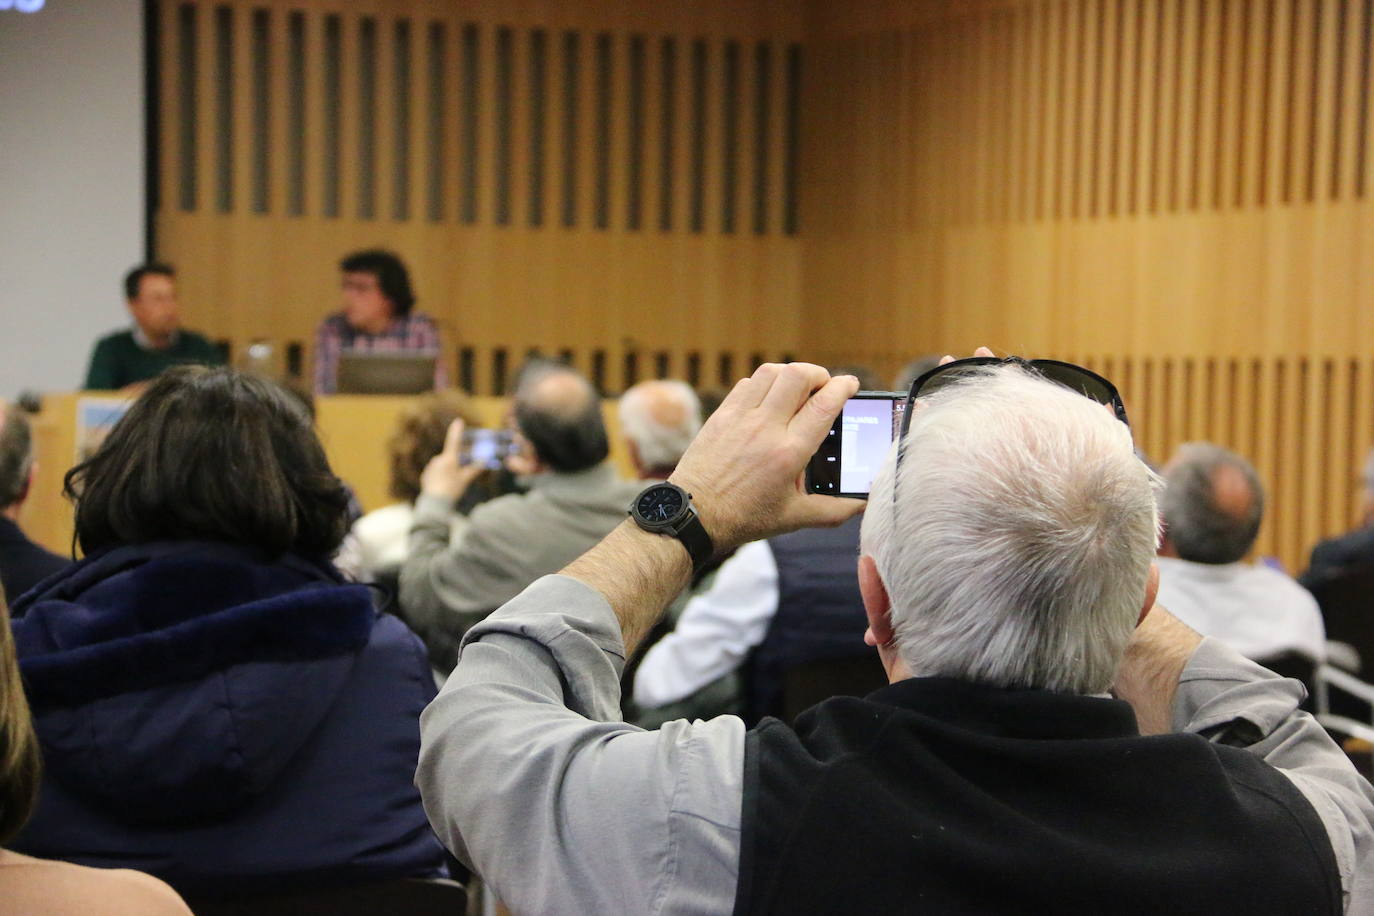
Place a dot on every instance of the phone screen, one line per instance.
(857, 444)
(486, 448)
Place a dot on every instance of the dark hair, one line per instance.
(211, 454)
(390, 273)
(16, 456)
(567, 433)
(134, 278)
(21, 765)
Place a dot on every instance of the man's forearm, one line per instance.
(1152, 666)
(638, 574)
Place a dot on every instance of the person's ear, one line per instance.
(876, 603)
(632, 451)
(1151, 592)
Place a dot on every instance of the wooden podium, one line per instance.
(353, 428)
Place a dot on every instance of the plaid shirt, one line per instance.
(413, 332)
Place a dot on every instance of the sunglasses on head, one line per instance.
(1075, 378)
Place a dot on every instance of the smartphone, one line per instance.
(487, 448)
(857, 444)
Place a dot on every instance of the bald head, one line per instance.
(1213, 504)
(659, 419)
(559, 412)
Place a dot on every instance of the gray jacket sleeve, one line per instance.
(529, 777)
(1219, 686)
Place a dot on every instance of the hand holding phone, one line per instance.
(857, 445)
(487, 448)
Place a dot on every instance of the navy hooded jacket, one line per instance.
(224, 720)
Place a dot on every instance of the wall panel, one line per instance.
(537, 165)
(1178, 189)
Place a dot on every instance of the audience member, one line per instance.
(658, 420)
(1212, 507)
(23, 564)
(38, 887)
(1355, 549)
(216, 706)
(378, 541)
(1007, 561)
(452, 580)
(774, 606)
(157, 340)
(377, 316)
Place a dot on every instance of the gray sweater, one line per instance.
(456, 574)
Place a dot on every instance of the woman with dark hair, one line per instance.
(39, 886)
(216, 705)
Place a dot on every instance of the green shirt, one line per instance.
(118, 360)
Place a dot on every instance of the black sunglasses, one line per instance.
(1075, 378)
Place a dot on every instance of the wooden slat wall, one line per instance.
(1178, 191)
(535, 163)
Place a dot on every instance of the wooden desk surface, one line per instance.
(353, 428)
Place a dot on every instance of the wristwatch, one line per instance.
(666, 508)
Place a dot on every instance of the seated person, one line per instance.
(215, 705)
(1008, 586)
(775, 605)
(378, 541)
(40, 887)
(1212, 507)
(1354, 549)
(23, 564)
(658, 420)
(157, 340)
(377, 316)
(452, 579)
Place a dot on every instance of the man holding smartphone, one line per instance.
(1007, 577)
(457, 573)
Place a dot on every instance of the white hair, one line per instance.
(661, 418)
(1017, 549)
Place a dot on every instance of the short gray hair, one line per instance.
(16, 454)
(660, 436)
(1201, 530)
(1017, 548)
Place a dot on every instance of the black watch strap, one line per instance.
(693, 536)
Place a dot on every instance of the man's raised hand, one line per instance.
(446, 476)
(744, 470)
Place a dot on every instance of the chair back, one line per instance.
(397, 897)
(1346, 598)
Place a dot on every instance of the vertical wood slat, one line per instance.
(169, 112)
(1320, 100)
(1346, 149)
(278, 148)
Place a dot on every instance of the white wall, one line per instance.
(71, 182)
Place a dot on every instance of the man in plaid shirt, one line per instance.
(376, 317)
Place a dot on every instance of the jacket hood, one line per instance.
(174, 682)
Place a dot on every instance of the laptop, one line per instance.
(394, 372)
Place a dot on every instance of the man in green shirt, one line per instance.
(156, 341)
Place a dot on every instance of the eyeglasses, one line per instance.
(1075, 378)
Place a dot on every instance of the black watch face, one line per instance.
(659, 504)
